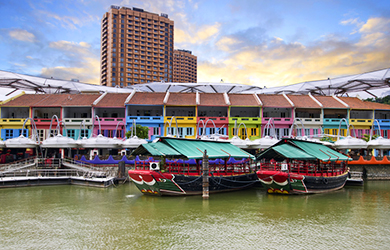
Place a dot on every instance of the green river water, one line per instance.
(75, 217)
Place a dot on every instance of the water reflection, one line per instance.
(73, 217)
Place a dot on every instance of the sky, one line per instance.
(256, 42)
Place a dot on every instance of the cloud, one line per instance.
(377, 24)
(22, 35)
(88, 72)
(81, 48)
(68, 22)
(225, 43)
(275, 62)
(78, 62)
(196, 35)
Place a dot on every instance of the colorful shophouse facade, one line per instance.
(146, 109)
(212, 114)
(109, 115)
(280, 110)
(180, 114)
(81, 114)
(244, 116)
(308, 115)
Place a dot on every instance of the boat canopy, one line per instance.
(156, 149)
(287, 151)
(301, 150)
(191, 149)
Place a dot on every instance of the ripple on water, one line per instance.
(71, 217)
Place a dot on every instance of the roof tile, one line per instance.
(303, 101)
(53, 100)
(113, 100)
(143, 98)
(211, 99)
(274, 101)
(243, 100)
(330, 102)
(185, 99)
(356, 103)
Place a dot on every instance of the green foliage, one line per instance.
(327, 138)
(366, 137)
(384, 100)
(142, 132)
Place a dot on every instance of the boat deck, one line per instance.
(19, 181)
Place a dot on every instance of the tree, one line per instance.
(327, 138)
(366, 137)
(385, 100)
(142, 132)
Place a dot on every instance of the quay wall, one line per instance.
(372, 171)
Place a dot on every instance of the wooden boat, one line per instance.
(302, 167)
(229, 167)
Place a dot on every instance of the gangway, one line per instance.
(38, 171)
(18, 165)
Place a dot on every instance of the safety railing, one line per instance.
(15, 165)
(306, 168)
(51, 173)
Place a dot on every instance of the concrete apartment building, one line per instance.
(136, 47)
(184, 66)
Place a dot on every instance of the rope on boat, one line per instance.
(190, 181)
(251, 183)
(112, 181)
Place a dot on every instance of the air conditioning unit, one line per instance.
(154, 166)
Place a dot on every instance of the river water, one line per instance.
(75, 217)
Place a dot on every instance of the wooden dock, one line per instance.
(32, 172)
(355, 179)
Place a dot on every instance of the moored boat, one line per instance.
(302, 167)
(229, 167)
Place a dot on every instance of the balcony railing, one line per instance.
(77, 121)
(216, 120)
(278, 120)
(332, 121)
(145, 119)
(181, 119)
(311, 120)
(366, 122)
(246, 120)
(13, 121)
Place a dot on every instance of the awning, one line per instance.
(320, 151)
(194, 149)
(156, 149)
(191, 149)
(301, 150)
(285, 151)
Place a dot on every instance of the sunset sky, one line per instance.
(257, 42)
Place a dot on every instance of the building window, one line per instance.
(9, 133)
(41, 134)
(71, 133)
(253, 131)
(84, 133)
(180, 132)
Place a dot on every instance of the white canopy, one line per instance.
(346, 84)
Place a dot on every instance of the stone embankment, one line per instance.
(372, 169)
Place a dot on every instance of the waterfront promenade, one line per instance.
(79, 217)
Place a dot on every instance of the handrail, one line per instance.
(32, 164)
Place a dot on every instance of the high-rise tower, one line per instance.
(184, 66)
(136, 47)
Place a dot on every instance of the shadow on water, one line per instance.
(73, 217)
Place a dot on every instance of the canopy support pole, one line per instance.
(205, 176)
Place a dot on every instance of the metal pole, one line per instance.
(205, 175)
